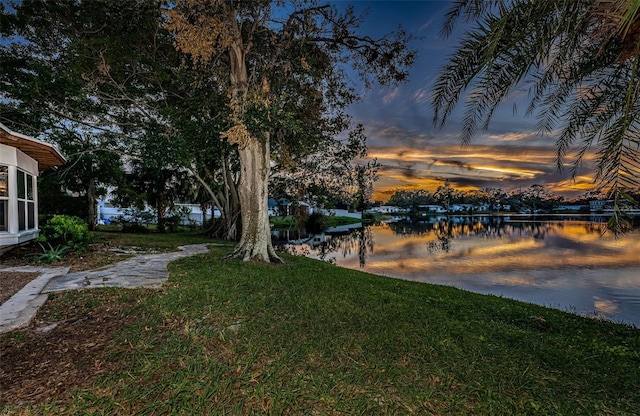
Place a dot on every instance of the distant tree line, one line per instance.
(534, 198)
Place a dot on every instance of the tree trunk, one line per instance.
(227, 203)
(231, 202)
(204, 206)
(161, 206)
(92, 219)
(255, 241)
(255, 159)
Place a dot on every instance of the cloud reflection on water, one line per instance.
(604, 306)
(528, 247)
(566, 264)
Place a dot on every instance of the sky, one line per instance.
(416, 155)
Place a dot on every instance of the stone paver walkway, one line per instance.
(22, 307)
(148, 270)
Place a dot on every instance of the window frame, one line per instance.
(4, 199)
(26, 200)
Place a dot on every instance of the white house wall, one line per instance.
(341, 213)
(16, 159)
(106, 211)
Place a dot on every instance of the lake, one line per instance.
(561, 262)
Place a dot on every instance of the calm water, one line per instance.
(566, 264)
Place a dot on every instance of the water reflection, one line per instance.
(566, 263)
(345, 241)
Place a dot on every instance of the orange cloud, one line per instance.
(473, 167)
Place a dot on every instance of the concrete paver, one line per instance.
(148, 270)
(22, 307)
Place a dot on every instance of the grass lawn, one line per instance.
(289, 222)
(308, 337)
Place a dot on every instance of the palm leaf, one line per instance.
(580, 61)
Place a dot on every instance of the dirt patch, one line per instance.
(93, 256)
(12, 282)
(52, 357)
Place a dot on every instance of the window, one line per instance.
(26, 201)
(21, 188)
(4, 198)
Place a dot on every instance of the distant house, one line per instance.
(432, 208)
(608, 206)
(284, 207)
(21, 159)
(108, 212)
(600, 205)
(386, 209)
(470, 208)
(571, 207)
(461, 208)
(276, 208)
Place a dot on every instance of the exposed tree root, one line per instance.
(255, 252)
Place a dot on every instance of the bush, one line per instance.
(65, 231)
(129, 226)
(172, 222)
(133, 221)
(369, 217)
(316, 223)
(177, 216)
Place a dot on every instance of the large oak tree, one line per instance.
(284, 67)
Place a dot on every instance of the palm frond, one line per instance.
(620, 221)
(586, 112)
(511, 42)
(618, 20)
(469, 10)
(580, 59)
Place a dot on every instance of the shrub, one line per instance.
(172, 222)
(316, 223)
(129, 226)
(369, 217)
(133, 221)
(177, 215)
(65, 231)
(51, 255)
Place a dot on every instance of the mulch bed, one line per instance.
(64, 349)
(49, 359)
(12, 282)
(93, 256)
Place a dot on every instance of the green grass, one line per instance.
(289, 222)
(335, 221)
(308, 337)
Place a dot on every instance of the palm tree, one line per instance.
(580, 60)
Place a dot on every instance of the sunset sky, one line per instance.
(416, 155)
